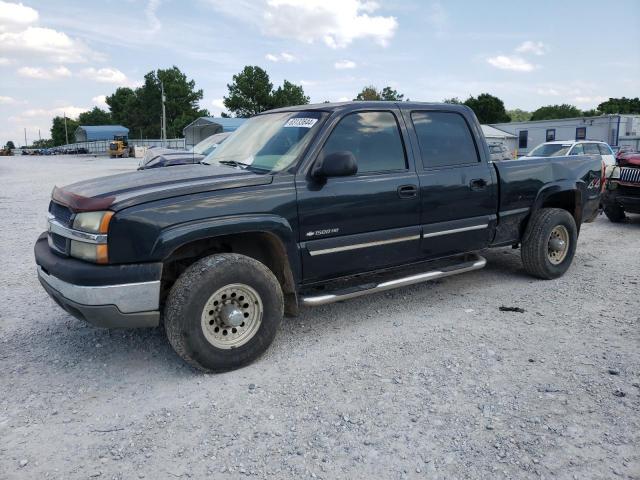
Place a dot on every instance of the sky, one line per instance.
(66, 56)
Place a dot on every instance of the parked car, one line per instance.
(209, 144)
(622, 192)
(304, 205)
(155, 157)
(566, 148)
(499, 151)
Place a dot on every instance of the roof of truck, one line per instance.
(330, 107)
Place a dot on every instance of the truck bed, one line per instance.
(523, 182)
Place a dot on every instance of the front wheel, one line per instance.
(223, 312)
(549, 243)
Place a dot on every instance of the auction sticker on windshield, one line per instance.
(301, 122)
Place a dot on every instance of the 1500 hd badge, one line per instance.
(323, 232)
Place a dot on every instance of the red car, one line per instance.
(622, 192)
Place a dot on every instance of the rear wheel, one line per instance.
(223, 312)
(614, 212)
(549, 243)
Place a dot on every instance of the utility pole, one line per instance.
(25, 137)
(164, 116)
(39, 136)
(66, 134)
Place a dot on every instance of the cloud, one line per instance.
(344, 65)
(536, 48)
(44, 73)
(7, 100)
(218, 103)
(438, 19)
(46, 43)
(69, 110)
(4, 61)
(151, 12)
(517, 64)
(590, 100)
(105, 75)
(336, 23)
(16, 15)
(548, 91)
(100, 101)
(282, 57)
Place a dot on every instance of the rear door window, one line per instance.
(591, 149)
(577, 150)
(444, 139)
(604, 149)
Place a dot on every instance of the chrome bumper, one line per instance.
(112, 306)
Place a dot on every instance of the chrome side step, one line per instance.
(475, 263)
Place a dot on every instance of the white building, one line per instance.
(493, 135)
(613, 129)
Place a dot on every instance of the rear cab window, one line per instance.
(444, 139)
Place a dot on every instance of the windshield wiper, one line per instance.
(234, 163)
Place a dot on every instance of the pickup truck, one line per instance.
(304, 205)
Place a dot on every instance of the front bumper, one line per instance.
(111, 296)
(628, 199)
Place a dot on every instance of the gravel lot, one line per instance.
(432, 381)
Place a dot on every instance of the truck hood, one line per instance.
(124, 190)
(629, 160)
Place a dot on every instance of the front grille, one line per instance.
(61, 213)
(58, 242)
(630, 175)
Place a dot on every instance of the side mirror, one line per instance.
(336, 164)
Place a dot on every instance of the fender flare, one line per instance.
(562, 186)
(176, 236)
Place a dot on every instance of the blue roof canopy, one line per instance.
(89, 133)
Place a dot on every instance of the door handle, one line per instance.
(407, 191)
(478, 184)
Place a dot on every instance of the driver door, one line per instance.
(365, 221)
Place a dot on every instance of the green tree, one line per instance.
(58, 130)
(552, 112)
(371, 93)
(488, 109)
(287, 95)
(591, 113)
(140, 110)
(10, 145)
(620, 105)
(249, 92)
(95, 116)
(518, 115)
(225, 115)
(44, 143)
(452, 101)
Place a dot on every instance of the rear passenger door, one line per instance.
(365, 221)
(457, 187)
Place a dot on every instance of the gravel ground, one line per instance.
(432, 381)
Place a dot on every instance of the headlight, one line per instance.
(93, 222)
(96, 223)
(612, 172)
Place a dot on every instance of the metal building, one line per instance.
(613, 129)
(204, 127)
(91, 133)
(493, 135)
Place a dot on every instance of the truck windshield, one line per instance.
(550, 150)
(268, 143)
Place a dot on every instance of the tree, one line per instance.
(591, 113)
(44, 143)
(518, 115)
(225, 115)
(140, 110)
(552, 112)
(10, 145)
(452, 101)
(620, 105)
(95, 116)
(371, 93)
(488, 109)
(249, 92)
(288, 94)
(58, 130)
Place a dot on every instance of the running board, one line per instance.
(475, 263)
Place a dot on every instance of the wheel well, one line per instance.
(566, 200)
(262, 246)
